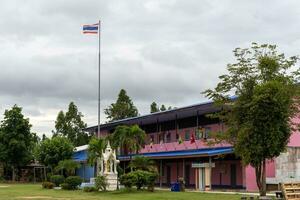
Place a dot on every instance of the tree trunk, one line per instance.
(13, 174)
(263, 180)
(260, 172)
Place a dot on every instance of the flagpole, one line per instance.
(99, 76)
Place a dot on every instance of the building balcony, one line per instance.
(175, 146)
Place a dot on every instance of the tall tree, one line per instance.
(50, 151)
(163, 108)
(95, 150)
(71, 125)
(129, 138)
(154, 108)
(123, 108)
(259, 120)
(16, 140)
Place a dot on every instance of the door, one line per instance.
(201, 179)
(187, 174)
(233, 175)
(168, 175)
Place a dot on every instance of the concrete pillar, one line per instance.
(160, 174)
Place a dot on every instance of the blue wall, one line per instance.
(85, 171)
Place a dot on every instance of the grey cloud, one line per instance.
(163, 51)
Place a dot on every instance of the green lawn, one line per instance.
(30, 191)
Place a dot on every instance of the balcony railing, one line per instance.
(176, 146)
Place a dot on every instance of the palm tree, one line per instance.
(95, 149)
(129, 138)
(68, 165)
(143, 163)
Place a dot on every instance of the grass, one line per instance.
(35, 191)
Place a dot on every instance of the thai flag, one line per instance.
(90, 29)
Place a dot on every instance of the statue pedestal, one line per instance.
(112, 180)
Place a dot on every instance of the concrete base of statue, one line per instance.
(112, 180)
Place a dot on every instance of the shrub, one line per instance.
(49, 176)
(48, 185)
(66, 186)
(151, 177)
(140, 179)
(57, 179)
(101, 183)
(89, 189)
(128, 180)
(73, 181)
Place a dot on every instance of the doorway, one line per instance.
(233, 175)
(168, 175)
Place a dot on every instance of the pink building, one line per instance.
(202, 166)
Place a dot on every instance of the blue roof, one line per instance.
(185, 153)
(81, 156)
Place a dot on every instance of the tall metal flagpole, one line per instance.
(99, 75)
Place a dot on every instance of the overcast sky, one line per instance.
(166, 51)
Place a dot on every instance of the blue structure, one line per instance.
(85, 171)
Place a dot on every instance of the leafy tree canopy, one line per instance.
(163, 108)
(143, 163)
(16, 139)
(154, 108)
(259, 120)
(129, 138)
(123, 108)
(50, 151)
(95, 149)
(69, 166)
(71, 125)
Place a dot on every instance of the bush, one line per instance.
(57, 179)
(49, 176)
(151, 177)
(140, 179)
(101, 183)
(73, 181)
(89, 189)
(128, 180)
(66, 186)
(48, 185)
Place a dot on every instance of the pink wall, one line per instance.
(294, 139)
(174, 174)
(270, 171)
(223, 168)
(175, 146)
(251, 177)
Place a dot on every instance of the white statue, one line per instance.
(108, 167)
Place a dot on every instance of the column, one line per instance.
(160, 174)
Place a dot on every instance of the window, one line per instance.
(168, 137)
(187, 135)
(151, 139)
(162, 137)
(207, 133)
(199, 133)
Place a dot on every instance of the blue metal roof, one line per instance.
(185, 153)
(81, 156)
